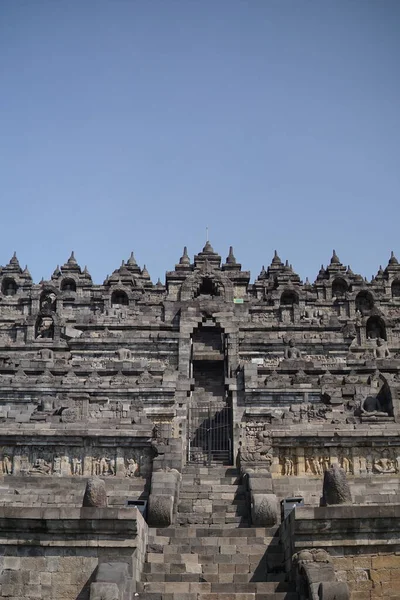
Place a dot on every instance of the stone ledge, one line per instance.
(55, 525)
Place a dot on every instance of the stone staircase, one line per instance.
(212, 553)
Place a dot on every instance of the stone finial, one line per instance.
(159, 284)
(276, 260)
(131, 260)
(145, 273)
(95, 493)
(349, 270)
(335, 259)
(231, 260)
(26, 273)
(14, 260)
(336, 488)
(321, 273)
(184, 259)
(263, 273)
(208, 249)
(56, 272)
(72, 259)
(393, 260)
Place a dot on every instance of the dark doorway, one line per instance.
(210, 414)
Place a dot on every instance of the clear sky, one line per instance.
(134, 124)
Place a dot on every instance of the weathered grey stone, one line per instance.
(95, 493)
(333, 590)
(264, 510)
(160, 510)
(336, 488)
(104, 591)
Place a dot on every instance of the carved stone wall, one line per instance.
(300, 358)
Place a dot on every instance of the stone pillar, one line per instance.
(276, 467)
(300, 463)
(354, 455)
(120, 463)
(333, 455)
(87, 466)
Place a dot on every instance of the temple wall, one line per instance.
(53, 553)
(370, 576)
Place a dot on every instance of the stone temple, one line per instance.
(200, 439)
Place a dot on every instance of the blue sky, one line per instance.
(134, 124)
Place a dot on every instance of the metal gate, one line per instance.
(210, 437)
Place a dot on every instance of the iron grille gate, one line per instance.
(209, 437)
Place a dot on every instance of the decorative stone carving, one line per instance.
(45, 328)
(258, 447)
(382, 348)
(288, 465)
(336, 488)
(314, 464)
(373, 406)
(76, 466)
(124, 354)
(291, 352)
(346, 461)
(103, 466)
(6, 461)
(95, 493)
(273, 380)
(384, 463)
(300, 377)
(70, 415)
(132, 468)
(264, 510)
(48, 301)
(145, 379)
(41, 467)
(315, 578)
(160, 512)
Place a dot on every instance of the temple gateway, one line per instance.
(200, 439)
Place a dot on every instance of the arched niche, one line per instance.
(396, 288)
(192, 286)
(68, 285)
(9, 287)
(119, 298)
(376, 328)
(289, 298)
(339, 288)
(364, 302)
(207, 287)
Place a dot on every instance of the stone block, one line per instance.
(104, 591)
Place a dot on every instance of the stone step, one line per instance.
(229, 511)
(204, 577)
(209, 519)
(217, 596)
(162, 541)
(215, 488)
(198, 531)
(223, 499)
(252, 556)
(157, 544)
(263, 587)
(214, 471)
